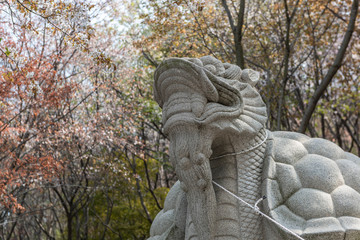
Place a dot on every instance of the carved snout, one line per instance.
(183, 107)
(193, 174)
(189, 152)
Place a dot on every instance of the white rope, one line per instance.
(258, 201)
(246, 150)
(256, 209)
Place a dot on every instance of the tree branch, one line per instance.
(238, 36)
(333, 69)
(150, 59)
(231, 20)
(335, 14)
(287, 54)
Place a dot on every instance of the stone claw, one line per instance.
(200, 159)
(185, 163)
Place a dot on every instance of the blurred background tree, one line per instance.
(83, 155)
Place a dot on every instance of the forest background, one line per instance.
(83, 155)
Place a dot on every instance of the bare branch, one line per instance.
(230, 18)
(150, 59)
(335, 14)
(286, 64)
(333, 69)
(238, 36)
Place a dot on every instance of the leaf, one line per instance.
(7, 52)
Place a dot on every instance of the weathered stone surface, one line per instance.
(346, 201)
(324, 228)
(310, 203)
(276, 198)
(319, 172)
(212, 110)
(350, 172)
(162, 222)
(288, 151)
(290, 220)
(291, 135)
(352, 157)
(170, 200)
(324, 148)
(270, 168)
(351, 226)
(288, 179)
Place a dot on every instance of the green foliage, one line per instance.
(116, 209)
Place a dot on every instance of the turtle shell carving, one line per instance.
(312, 188)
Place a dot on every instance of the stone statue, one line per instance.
(215, 121)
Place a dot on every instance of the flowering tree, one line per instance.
(39, 94)
(83, 152)
(305, 51)
(77, 126)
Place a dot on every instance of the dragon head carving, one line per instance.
(208, 92)
(203, 99)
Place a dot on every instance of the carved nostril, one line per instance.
(250, 76)
(232, 72)
(211, 68)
